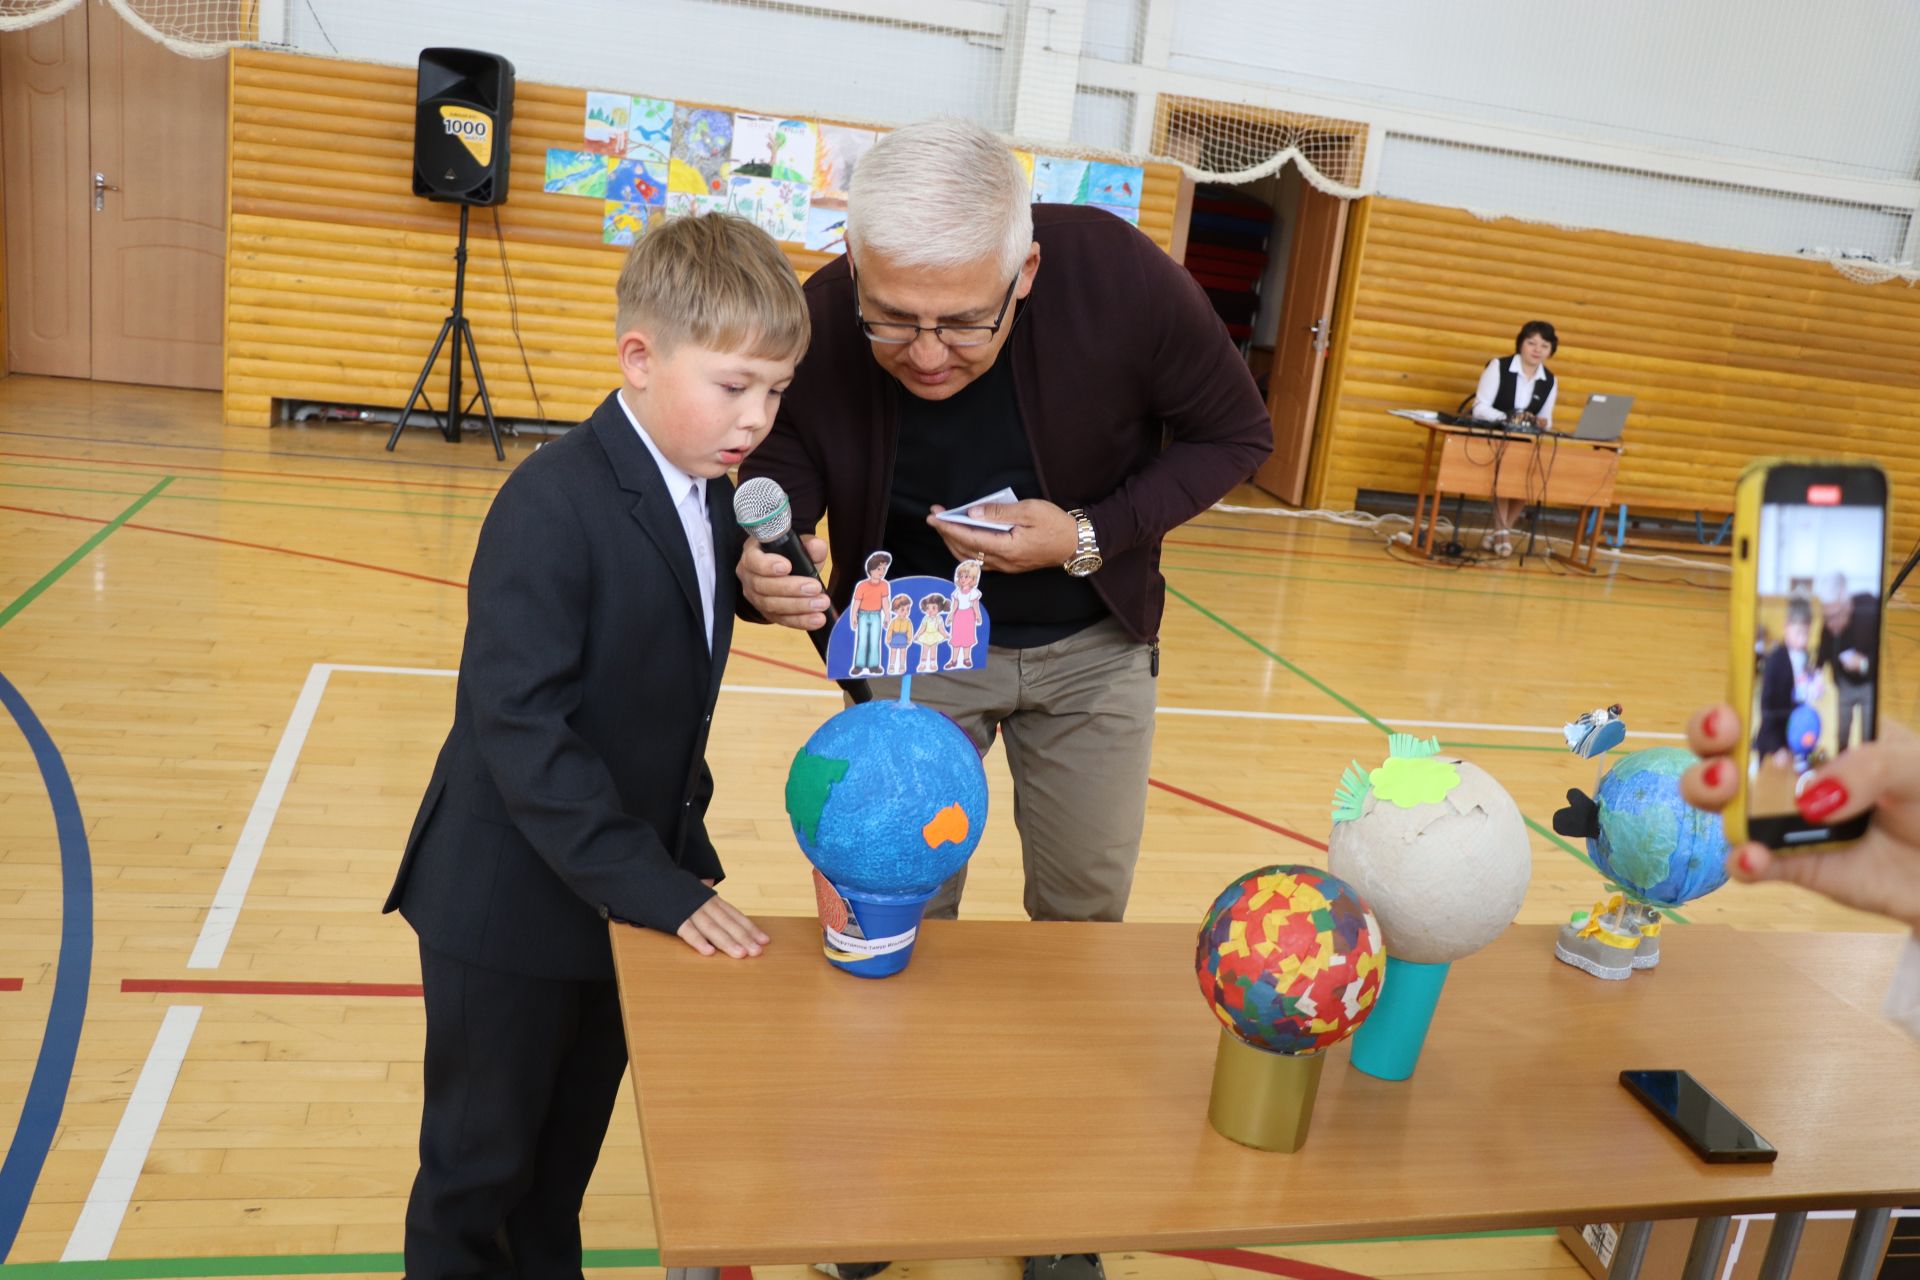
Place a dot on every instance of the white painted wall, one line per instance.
(1826, 87)
(767, 59)
(1804, 120)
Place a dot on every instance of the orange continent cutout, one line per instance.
(949, 826)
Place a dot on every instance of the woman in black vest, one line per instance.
(1519, 388)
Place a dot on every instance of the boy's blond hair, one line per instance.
(717, 281)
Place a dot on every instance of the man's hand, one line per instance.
(1043, 536)
(719, 926)
(781, 595)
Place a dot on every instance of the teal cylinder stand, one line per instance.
(1388, 1043)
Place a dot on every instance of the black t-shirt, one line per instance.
(953, 451)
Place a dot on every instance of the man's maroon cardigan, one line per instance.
(1135, 401)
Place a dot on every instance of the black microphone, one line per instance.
(761, 509)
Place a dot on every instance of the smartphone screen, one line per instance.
(1817, 562)
(1707, 1124)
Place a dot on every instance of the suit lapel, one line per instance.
(653, 507)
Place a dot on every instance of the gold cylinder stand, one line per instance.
(1263, 1099)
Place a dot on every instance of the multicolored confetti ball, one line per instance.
(1290, 958)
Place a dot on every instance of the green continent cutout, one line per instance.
(1411, 781)
(809, 782)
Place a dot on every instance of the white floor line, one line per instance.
(232, 894)
(1290, 717)
(224, 915)
(99, 1221)
(1287, 717)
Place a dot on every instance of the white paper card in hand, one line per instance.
(958, 515)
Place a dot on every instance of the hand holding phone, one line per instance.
(1880, 872)
(1809, 559)
(1705, 1123)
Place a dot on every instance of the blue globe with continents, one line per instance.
(1655, 845)
(888, 797)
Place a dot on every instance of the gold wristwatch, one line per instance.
(1086, 557)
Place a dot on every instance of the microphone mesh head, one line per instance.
(760, 507)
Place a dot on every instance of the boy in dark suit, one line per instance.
(573, 786)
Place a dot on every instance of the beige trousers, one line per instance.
(1077, 718)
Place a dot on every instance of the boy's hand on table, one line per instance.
(720, 926)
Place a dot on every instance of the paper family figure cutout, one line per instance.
(917, 625)
(888, 798)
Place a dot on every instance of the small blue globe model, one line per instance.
(1803, 732)
(1656, 846)
(888, 797)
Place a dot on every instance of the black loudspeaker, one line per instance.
(461, 126)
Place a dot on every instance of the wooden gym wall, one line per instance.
(338, 277)
(1730, 356)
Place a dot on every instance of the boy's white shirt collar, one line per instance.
(678, 481)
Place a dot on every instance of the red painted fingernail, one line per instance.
(1716, 774)
(1822, 800)
(1716, 719)
(1749, 862)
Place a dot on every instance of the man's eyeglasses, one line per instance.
(894, 333)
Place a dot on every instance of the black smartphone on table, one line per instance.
(1705, 1123)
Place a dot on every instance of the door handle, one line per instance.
(100, 188)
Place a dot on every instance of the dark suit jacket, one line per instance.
(1861, 634)
(1136, 402)
(1776, 701)
(573, 785)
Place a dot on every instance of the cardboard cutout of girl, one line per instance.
(964, 618)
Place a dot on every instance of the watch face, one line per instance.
(1081, 566)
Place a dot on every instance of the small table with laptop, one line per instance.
(1479, 458)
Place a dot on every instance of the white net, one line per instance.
(194, 28)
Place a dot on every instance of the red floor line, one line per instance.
(1241, 814)
(738, 653)
(815, 672)
(9, 984)
(256, 546)
(249, 471)
(207, 986)
(1248, 1260)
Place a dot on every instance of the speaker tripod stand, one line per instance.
(458, 327)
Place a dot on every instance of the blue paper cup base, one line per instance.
(1387, 1045)
(881, 929)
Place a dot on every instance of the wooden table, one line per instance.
(1039, 1088)
(1557, 471)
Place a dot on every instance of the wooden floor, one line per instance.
(239, 645)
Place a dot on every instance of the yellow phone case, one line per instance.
(1740, 622)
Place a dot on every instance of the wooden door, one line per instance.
(43, 111)
(1300, 348)
(159, 125)
(123, 284)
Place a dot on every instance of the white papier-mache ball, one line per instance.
(1436, 846)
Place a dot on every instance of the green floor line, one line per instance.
(260, 502)
(54, 575)
(270, 1264)
(1378, 723)
(259, 1266)
(1327, 689)
(1503, 746)
(334, 486)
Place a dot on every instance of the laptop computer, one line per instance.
(1604, 418)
